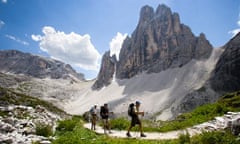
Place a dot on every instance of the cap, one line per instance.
(138, 102)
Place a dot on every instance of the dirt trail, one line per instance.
(150, 135)
(219, 123)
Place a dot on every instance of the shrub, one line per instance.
(184, 138)
(120, 123)
(67, 125)
(215, 137)
(44, 130)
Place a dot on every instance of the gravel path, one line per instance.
(150, 135)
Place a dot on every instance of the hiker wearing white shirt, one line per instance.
(93, 112)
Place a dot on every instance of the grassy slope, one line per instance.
(9, 97)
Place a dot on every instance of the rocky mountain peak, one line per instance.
(107, 70)
(159, 42)
(146, 14)
(163, 10)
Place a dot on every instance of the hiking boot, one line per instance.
(143, 135)
(128, 135)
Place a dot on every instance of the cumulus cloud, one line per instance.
(116, 44)
(236, 30)
(70, 48)
(17, 40)
(1, 24)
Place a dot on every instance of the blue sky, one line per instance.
(78, 32)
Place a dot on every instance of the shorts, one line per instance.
(135, 120)
(94, 118)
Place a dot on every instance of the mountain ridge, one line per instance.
(17, 62)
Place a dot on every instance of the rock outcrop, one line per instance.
(23, 118)
(159, 42)
(107, 70)
(225, 77)
(16, 62)
(19, 124)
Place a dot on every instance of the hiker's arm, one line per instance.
(140, 113)
(110, 113)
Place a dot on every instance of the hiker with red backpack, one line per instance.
(133, 112)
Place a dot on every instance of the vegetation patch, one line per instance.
(9, 97)
(228, 102)
(81, 135)
(44, 130)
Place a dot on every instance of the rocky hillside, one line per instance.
(159, 42)
(226, 76)
(16, 62)
(24, 119)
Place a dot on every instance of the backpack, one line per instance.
(91, 110)
(131, 110)
(102, 111)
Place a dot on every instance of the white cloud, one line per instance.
(70, 48)
(236, 30)
(36, 37)
(17, 40)
(1, 24)
(238, 22)
(116, 44)
(4, 1)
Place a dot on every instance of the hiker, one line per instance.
(93, 112)
(133, 113)
(104, 112)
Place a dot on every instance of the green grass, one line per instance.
(80, 135)
(44, 130)
(228, 102)
(68, 124)
(71, 131)
(9, 97)
(216, 137)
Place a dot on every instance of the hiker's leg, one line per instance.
(91, 123)
(94, 122)
(129, 128)
(140, 128)
(104, 125)
(109, 126)
(133, 122)
(94, 125)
